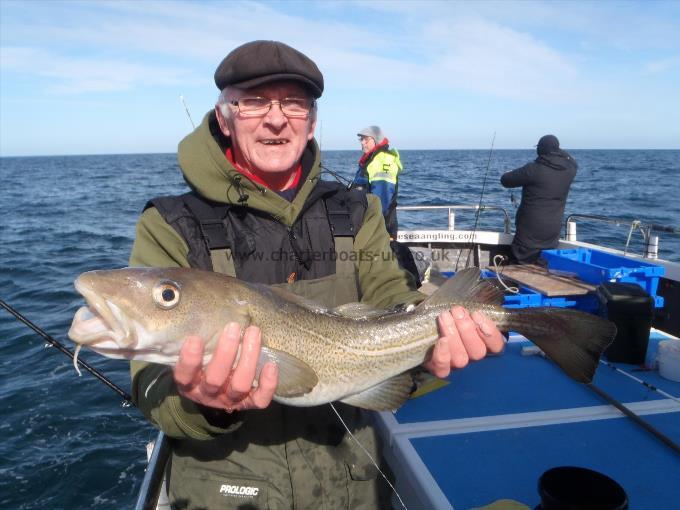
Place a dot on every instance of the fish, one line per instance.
(354, 353)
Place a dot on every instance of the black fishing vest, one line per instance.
(256, 247)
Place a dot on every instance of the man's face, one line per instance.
(367, 143)
(270, 143)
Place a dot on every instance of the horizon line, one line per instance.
(322, 150)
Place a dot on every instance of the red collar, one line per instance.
(381, 145)
(230, 156)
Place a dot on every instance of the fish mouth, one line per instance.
(101, 323)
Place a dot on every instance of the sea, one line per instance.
(67, 441)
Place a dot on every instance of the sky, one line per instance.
(105, 77)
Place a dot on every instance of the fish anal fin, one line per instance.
(388, 395)
(425, 382)
(296, 378)
(465, 285)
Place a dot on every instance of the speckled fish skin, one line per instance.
(334, 356)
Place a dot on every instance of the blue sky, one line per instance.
(98, 77)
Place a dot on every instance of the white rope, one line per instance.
(497, 269)
(635, 224)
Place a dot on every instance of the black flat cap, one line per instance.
(259, 62)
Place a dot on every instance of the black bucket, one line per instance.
(577, 488)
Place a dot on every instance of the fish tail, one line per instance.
(573, 339)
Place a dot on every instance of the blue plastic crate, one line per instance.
(526, 298)
(529, 298)
(585, 303)
(595, 267)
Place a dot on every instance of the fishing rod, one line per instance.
(636, 418)
(479, 207)
(627, 412)
(186, 109)
(324, 169)
(55, 343)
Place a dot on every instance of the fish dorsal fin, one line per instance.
(465, 285)
(359, 311)
(434, 277)
(296, 378)
(389, 394)
(287, 295)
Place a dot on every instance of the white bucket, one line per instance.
(668, 358)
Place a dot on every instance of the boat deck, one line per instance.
(462, 446)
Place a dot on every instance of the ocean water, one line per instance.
(66, 440)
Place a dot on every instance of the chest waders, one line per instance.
(280, 457)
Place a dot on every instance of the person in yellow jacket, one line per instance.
(378, 173)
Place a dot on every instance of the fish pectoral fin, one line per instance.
(359, 311)
(296, 378)
(465, 285)
(387, 395)
(288, 296)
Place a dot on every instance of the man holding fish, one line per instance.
(259, 211)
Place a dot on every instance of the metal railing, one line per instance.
(651, 241)
(149, 492)
(451, 214)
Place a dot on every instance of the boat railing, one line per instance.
(451, 211)
(651, 240)
(150, 491)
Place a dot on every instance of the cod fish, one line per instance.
(353, 353)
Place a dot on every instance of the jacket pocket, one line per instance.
(207, 490)
(362, 471)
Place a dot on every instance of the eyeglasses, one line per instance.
(297, 107)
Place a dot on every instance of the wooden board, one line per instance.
(538, 278)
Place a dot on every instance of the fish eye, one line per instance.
(166, 294)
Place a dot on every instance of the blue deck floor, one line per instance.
(502, 422)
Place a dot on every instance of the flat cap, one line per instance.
(259, 62)
(374, 132)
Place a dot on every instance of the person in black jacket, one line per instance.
(545, 185)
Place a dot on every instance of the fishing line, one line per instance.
(479, 207)
(368, 455)
(127, 399)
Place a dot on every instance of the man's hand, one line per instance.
(463, 337)
(220, 384)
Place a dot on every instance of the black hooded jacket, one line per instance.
(545, 185)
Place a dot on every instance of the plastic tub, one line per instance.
(668, 358)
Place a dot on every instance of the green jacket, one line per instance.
(280, 457)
